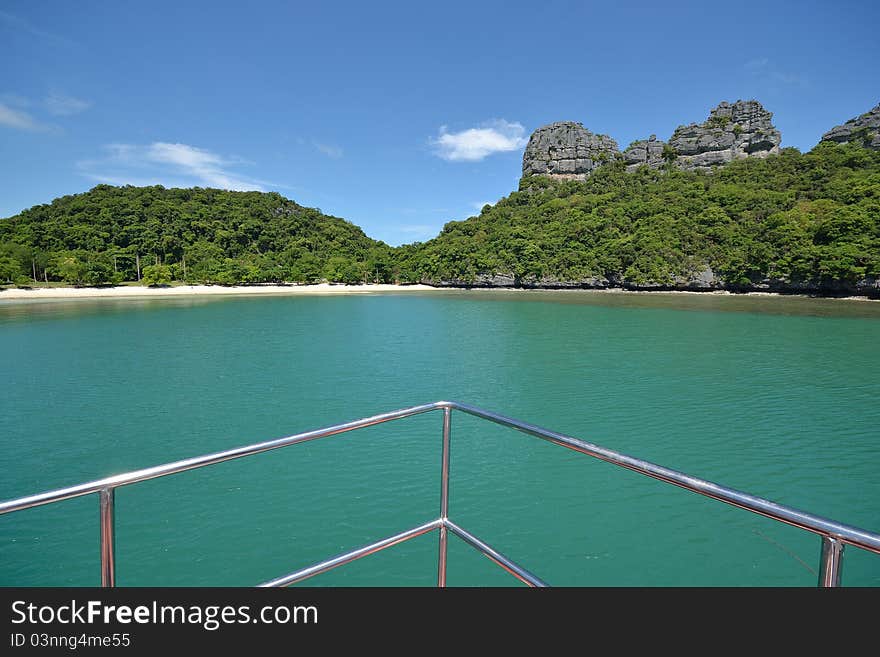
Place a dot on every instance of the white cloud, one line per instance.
(479, 204)
(766, 72)
(474, 144)
(20, 120)
(182, 155)
(756, 64)
(18, 24)
(790, 79)
(123, 180)
(61, 105)
(15, 111)
(172, 165)
(334, 152)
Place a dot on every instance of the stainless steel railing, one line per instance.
(835, 536)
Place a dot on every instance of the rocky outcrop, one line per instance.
(731, 132)
(649, 152)
(553, 283)
(742, 129)
(701, 279)
(480, 280)
(863, 130)
(567, 150)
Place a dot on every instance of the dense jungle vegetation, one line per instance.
(793, 217)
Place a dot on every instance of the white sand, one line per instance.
(135, 291)
(199, 290)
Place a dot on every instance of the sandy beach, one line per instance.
(140, 292)
(124, 291)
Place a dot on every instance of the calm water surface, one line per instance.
(775, 396)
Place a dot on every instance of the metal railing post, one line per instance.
(835, 535)
(444, 497)
(108, 538)
(830, 562)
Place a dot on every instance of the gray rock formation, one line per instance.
(645, 151)
(700, 279)
(480, 280)
(731, 132)
(567, 150)
(743, 129)
(864, 130)
(554, 283)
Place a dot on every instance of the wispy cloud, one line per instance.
(756, 64)
(790, 79)
(18, 112)
(62, 105)
(480, 204)
(18, 24)
(18, 119)
(474, 144)
(173, 165)
(137, 181)
(329, 150)
(765, 71)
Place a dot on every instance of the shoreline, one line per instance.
(140, 292)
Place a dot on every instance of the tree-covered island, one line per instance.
(654, 217)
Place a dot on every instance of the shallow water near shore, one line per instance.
(772, 395)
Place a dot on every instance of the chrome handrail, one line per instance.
(835, 535)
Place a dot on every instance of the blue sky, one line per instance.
(398, 116)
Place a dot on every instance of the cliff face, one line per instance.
(732, 131)
(649, 152)
(706, 241)
(701, 280)
(864, 130)
(567, 150)
(743, 129)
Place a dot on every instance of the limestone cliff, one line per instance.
(650, 152)
(567, 150)
(863, 130)
(732, 131)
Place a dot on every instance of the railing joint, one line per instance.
(835, 535)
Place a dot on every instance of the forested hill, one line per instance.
(112, 234)
(788, 222)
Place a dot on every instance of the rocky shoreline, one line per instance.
(867, 288)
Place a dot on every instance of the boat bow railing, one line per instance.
(835, 536)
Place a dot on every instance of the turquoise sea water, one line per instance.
(774, 396)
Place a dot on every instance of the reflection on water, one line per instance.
(705, 302)
(35, 309)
